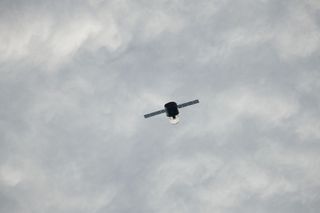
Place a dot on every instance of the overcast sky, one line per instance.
(76, 78)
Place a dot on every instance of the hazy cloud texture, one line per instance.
(76, 78)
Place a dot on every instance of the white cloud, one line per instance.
(75, 140)
(41, 39)
(309, 128)
(44, 38)
(298, 35)
(229, 108)
(10, 176)
(159, 22)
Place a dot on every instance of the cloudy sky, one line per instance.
(76, 78)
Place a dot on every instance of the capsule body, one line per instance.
(172, 112)
(171, 109)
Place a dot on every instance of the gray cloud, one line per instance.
(76, 78)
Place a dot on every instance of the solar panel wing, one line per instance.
(188, 103)
(154, 113)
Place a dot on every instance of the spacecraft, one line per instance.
(172, 110)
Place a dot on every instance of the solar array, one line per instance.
(163, 110)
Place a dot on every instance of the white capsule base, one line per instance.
(174, 120)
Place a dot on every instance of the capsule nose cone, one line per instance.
(174, 120)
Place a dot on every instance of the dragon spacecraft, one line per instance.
(171, 109)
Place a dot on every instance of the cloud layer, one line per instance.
(76, 78)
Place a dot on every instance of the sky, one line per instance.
(76, 78)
